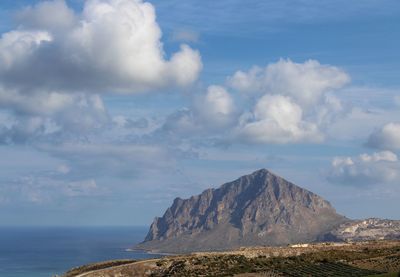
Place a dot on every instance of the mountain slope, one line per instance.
(257, 209)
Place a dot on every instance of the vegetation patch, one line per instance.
(355, 259)
(96, 266)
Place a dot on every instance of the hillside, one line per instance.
(256, 209)
(323, 259)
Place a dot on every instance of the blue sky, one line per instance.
(105, 117)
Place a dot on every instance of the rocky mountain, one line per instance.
(254, 210)
(368, 229)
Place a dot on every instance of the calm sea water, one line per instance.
(45, 251)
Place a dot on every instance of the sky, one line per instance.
(110, 109)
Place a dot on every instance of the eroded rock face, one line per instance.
(367, 229)
(257, 209)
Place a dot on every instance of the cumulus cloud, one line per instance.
(292, 103)
(39, 115)
(58, 62)
(114, 46)
(211, 111)
(216, 106)
(387, 137)
(277, 119)
(304, 82)
(297, 102)
(377, 168)
(53, 15)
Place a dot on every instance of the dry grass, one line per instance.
(355, 259)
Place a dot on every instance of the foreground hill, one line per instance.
(257, 209)
(323, 259)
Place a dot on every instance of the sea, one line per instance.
(50, 251)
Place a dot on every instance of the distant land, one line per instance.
(260, 225)
(259, 209)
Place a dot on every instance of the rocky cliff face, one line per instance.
(367, 229)
(257, 209)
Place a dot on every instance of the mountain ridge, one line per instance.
(260, 208)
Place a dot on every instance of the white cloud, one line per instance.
(114, 46)
(184, 66)
(387, 137)
(277, 119)
(297, 105)
(304, 82)
(53, 15)
(37, 115)
(211, 111)
(48, 103)
(359, 123)
(218, 101)
(377, 168)
(18, 47)
(216, 107)
(294, 103)
(56, 57)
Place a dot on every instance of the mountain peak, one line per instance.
(256, 209)
(261, 171)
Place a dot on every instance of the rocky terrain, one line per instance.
(257, 209)
(368, 229)
(322, 259)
